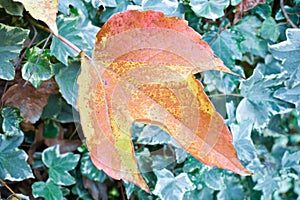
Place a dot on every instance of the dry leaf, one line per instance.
(244, 6)
(30, 100)
(44, 10)
(142, 70)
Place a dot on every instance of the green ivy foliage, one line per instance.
(261, 110)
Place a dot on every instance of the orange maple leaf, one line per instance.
(142, 70)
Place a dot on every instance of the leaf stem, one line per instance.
(286, 15)
(70, 44)
(61, 38)
(11, 191)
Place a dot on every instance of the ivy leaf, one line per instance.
(269, 30)
(43, 10)
(64, 6)
(170, 187)
(259, 102)
(225, 46)
(11, 43)
(11, 7)
(204, 193)
(67, 27)
(291, 160)
(50, 129)
(121, 5)
(267, 185)
(42, 71)
(88, 169)
(67, 84)
(209, 9)
(11, 121)
(109, 3)
(153, 135)
(288, 51)
(252, 43)
(48, 190)
(168, 7)
(233, 191)
(292, 91)
(59, 165)
(242, 140)
(113, 94)
(13, 161)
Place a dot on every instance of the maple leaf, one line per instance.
(44, 10)
(142, 70)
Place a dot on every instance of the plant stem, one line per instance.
(37, 60)
(11, 191)
(286, 15)
(61, 38)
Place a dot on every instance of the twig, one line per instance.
(286, 15)
(122, 192)
(37, 60)
(18, 64)
(11, 191)
(222, 95)
(220, 29)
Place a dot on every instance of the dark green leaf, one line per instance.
(209, 9)
(232, 192)
(203, 193)
(11, 43)
(259, 104)
(169, 187)
(144, 160)
(288, 51)
(53, 107)
(225, 46)
(109, 3)
(249, 27)
(59, 165)
(263, 10)
(64, 6)
(153, 135)
(267, 185)
(13, 165)
(108, 12)
(162, 161)
(48, 190)
(66, 80)
(168, 6)
(11, 121)
(80, 190)
(89, 170)
(269, 30)
(213, 178)
(68, 114)
(242, 140)
(67, 27)
(88, 30)
(293, 13)
(50, 129)
(12, 8)
(291, 92)
(41, 71)
(291, 160)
